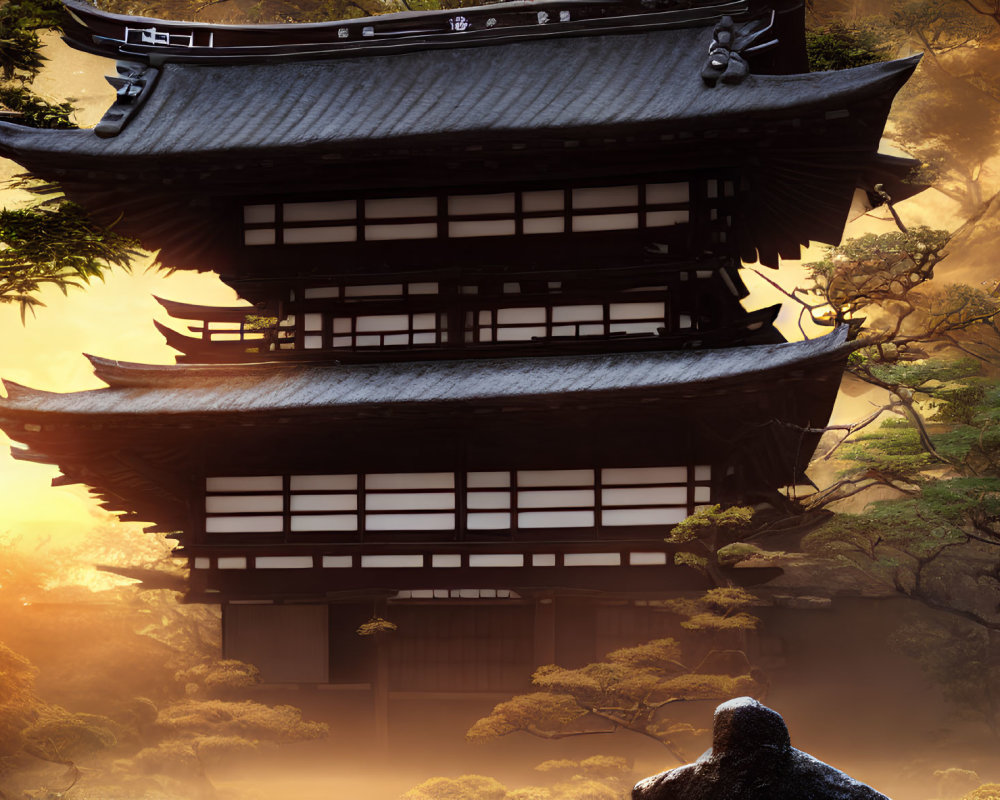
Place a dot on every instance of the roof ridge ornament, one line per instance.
(729, 48)
(133, 84)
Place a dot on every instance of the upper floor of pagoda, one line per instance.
(447, 135)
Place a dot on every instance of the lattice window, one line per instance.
(504, 500)
(462, 216)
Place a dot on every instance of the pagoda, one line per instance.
(493, 346)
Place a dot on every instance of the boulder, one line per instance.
(752, 758)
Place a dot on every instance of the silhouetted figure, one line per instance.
(752, 758)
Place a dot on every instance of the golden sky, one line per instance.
(114, 319)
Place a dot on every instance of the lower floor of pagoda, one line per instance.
(453, 642)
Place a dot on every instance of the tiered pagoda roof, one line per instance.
(619, 89)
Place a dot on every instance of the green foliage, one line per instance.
(893, 449)
(33, 14)
(58, 735)
(464, 787)
(956, 655)
(631, 689)
(218, 677)
(875, 269)
(192, 718)
(842, 46)
(375, 626)
(21, 60)
(58, 246)
(253, 322)
(710, 519)
(598, 778)
(18, 704)
(988, 791)
(718, 610)
(34, 111)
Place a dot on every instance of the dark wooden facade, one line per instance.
(495, 347)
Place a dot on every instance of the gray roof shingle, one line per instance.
(139, 390)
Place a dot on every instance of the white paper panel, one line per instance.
(481, 204)
(419, 230)
(410, 522)
(446, 560)
(232, 562)
(319, 483)
(244, 524)
(423, 288)
(374, 290)
(477, 480)
(621, 311)
(633, 475)
(312, 342)
(636, 327)
(249, 483)
(409, 501)
(261, 236)
(544, 225)
(606, 197)
(401, 207)
(667, 495)
(393, 562)
(592, 559)
(662, 219)
(548, 200)
(702, 494)
(227, 504)
(202, 563)
(558, 498)
(514, 316)
(605, 222)
(639, 559)
(320, 292)
(339, 233)
(496, 560)
(644, 516)
(480, 521)
(410, 480)
(338, 562)
(312, 322)
(667, 192)
(543, 560)
(703, 472)
(283, 562)
(517, 334)
(487, 500)
(472, 228)
(555, 477)
(424, 338)
(387, 322)
(424, 322)
(324, 522)
(324, 502)
(556, 519)
(315, 212)
(258, 214)
(577, 313)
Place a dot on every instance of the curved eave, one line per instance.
(212, 313)
(101, 33)
(756, 327)
(295, 111)
(141, 391)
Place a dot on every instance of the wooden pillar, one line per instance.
(380, 688)
(545, 631)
